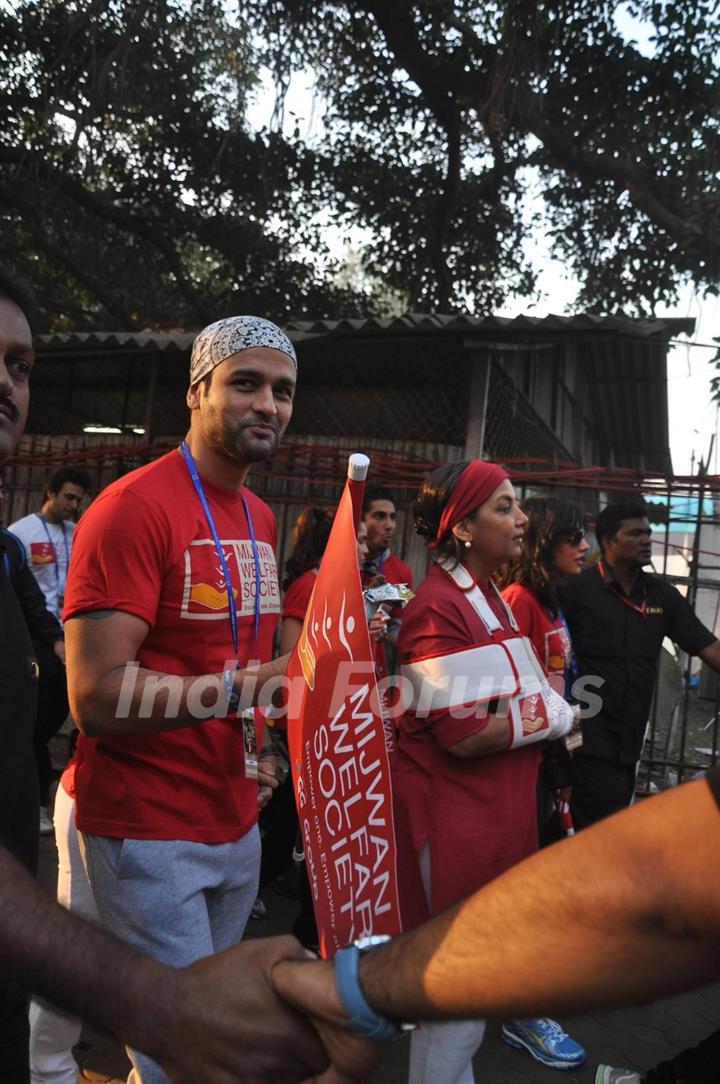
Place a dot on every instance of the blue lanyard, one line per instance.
(232, 609)
(572, 670)
(52, 547)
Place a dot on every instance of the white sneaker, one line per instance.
(258, 909)
(46, 825)
(605, 1074)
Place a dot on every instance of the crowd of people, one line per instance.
(160, 610)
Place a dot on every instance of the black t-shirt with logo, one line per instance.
(618, 638)
(713, 778)
(18, 701)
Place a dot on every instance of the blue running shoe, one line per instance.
(546, 1041)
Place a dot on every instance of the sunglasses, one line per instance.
(573, 537)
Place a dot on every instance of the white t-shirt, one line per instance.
(47, 546)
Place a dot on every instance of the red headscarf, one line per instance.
(477, 482)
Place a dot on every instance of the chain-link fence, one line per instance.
(513, 429)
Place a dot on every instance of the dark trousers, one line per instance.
(52, 711)
(14, 1038)
(278, 831)
(600, 788)
(700, 1065)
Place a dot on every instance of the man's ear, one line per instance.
(193, 396)
(605, 541)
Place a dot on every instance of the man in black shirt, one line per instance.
(618, 616)
(19, 803)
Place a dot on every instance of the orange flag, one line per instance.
(337, 746)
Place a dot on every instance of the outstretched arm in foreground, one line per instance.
(624, 912)
(219, 1021)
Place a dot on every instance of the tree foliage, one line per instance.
(444, 113)
(134, 190)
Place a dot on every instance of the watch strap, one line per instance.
(363, 1019)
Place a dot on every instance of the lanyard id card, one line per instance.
(622, 597)
(247, 718)
(56, 563)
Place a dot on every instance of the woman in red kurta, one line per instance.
(465, 770)
(310, 535)
(476, 814)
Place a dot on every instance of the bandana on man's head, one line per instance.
(220, 340)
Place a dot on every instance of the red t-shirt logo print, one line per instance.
(42, 553)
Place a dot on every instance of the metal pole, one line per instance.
(126, 396)
(150, 399)
(692, 599)
(667, 530)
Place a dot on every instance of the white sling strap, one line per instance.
(477, 599)
(507, 670)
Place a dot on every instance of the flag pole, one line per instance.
(358, 464)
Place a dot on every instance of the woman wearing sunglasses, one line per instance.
(554, 547)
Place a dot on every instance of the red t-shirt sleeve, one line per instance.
(297, 596)
(395, 570)
(430, 630)
(526, 611)
(407, 574)
(118, 558)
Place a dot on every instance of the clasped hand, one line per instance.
(263, 1011)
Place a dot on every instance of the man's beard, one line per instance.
(240, 446)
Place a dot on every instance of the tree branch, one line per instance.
(432, 76)
(442, 87)
(435, 250)
(90, 282)
(98, 204)
(629, 175)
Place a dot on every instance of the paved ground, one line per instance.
(637, 1038)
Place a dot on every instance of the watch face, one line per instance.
(372, 941)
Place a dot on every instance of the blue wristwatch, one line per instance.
(363, 1019)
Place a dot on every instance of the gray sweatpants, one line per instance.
(174, 901)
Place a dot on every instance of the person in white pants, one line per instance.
(53, 1033)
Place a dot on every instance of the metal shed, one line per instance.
(412, 390)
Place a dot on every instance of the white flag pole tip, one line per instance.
(358, 467)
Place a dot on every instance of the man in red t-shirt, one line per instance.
(380, 517)
(172, 594)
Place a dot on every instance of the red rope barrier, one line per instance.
(320, 464)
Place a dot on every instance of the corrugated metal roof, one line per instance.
(634, 327)
(625, 356)
(109, 340)
(626, 326)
